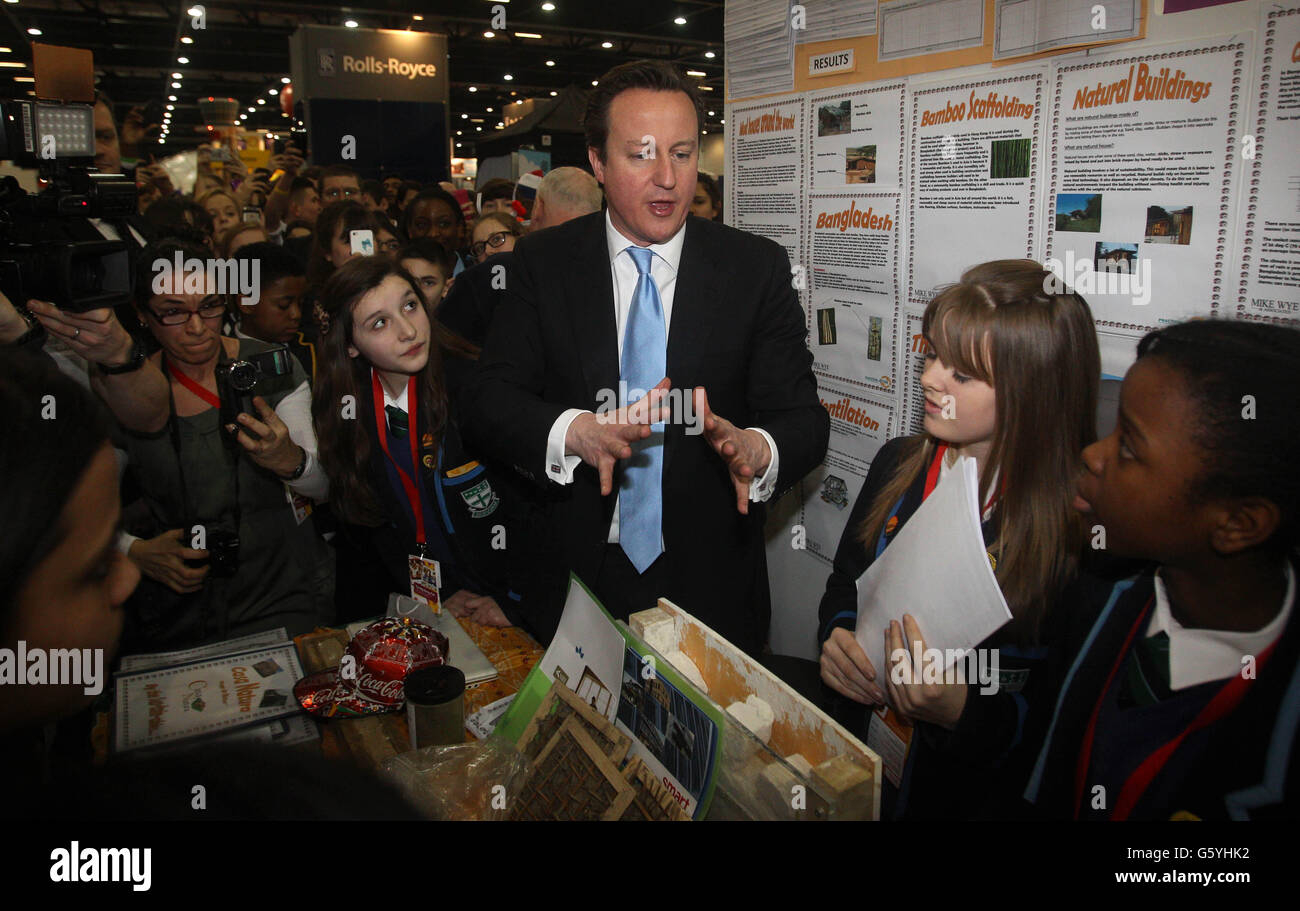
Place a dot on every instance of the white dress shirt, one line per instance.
(1201, 655)
(663, 269)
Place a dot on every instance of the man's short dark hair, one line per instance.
(274, 261)
(298, 187)
(497, 188)
(339, 170)
(637, 74)
(374, 189)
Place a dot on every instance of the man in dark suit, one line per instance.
(657, 494)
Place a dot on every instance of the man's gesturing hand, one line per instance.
(745, 451)
(602, 439)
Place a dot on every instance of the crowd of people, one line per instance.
(432, 366)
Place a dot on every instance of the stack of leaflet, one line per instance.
(236, 691)
(828, 20)
(759, 48)
(937, 570)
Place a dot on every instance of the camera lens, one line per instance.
(243, 376)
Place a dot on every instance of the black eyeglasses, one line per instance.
(494, 240)
(179, 317)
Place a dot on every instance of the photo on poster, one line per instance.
(859, 344)
(834, 119)
(826, 326)
(1078, 212)
(1168, 225)
(1009, 158)
(860, 164)
(1115, 257)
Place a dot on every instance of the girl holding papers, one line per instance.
(1011, 382)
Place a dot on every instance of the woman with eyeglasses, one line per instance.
(228, 547)
(494, 232)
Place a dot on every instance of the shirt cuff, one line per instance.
(560, 467)
(762, 488)
(124, 542)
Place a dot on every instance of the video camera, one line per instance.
(49, 248)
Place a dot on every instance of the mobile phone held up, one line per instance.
(252, 215)
(363, 241)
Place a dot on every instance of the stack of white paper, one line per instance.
(937, 570)
(759, 48)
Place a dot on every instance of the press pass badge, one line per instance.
(890, 737)
(426, 581)
(363, 241)
(300, 504)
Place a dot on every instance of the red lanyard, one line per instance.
(932, 478)
(1223, 702)
(412, 433)
(195, 387)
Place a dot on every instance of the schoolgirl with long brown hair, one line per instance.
(1010, 381)
(402, 482)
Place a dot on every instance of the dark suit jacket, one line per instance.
(472, 301)
(737, 329)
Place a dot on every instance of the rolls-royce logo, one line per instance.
(325, 60)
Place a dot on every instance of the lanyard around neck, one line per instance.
(412, 433)
(1220, 705)
(193, 385)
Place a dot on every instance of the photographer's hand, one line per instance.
(267, 441)
(163, 560)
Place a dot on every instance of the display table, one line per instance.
(368, 742)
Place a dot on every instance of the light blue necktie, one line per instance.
(645, 351)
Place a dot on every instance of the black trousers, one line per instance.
(623, 590)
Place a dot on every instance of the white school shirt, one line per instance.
(1201, 655)
(663, 269)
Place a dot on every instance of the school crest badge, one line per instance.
(481, 499)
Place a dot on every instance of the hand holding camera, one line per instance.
(163, 559)
(267, 440)
(96, 335)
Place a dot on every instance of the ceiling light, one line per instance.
(508, 77)
(24, 79)
(418, 18)
(243, 116)
(252, 110)
(171, 107)
(489, 110)
(458, 145)
(285, 80)
(35, 32)
(701, 74)
(350, 23)
(607, 44)
(460, 132)
(595, 82)
(706, 88)
(187, 40)
(520, 101)
(549, 7)
(527, 35)
(13, 64)
(489, 34)
(176, 85)
(479, 129)
(178, 75)
(273, 92)
(464, 117)
(473, 88)
(550, 63)
(705, 132)
(182, 60)
(6, 50)
(723, 120)
(709, 55)
(261, 101)
(171, 98)
(194, 11)
(500, 124)
(680, 20)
